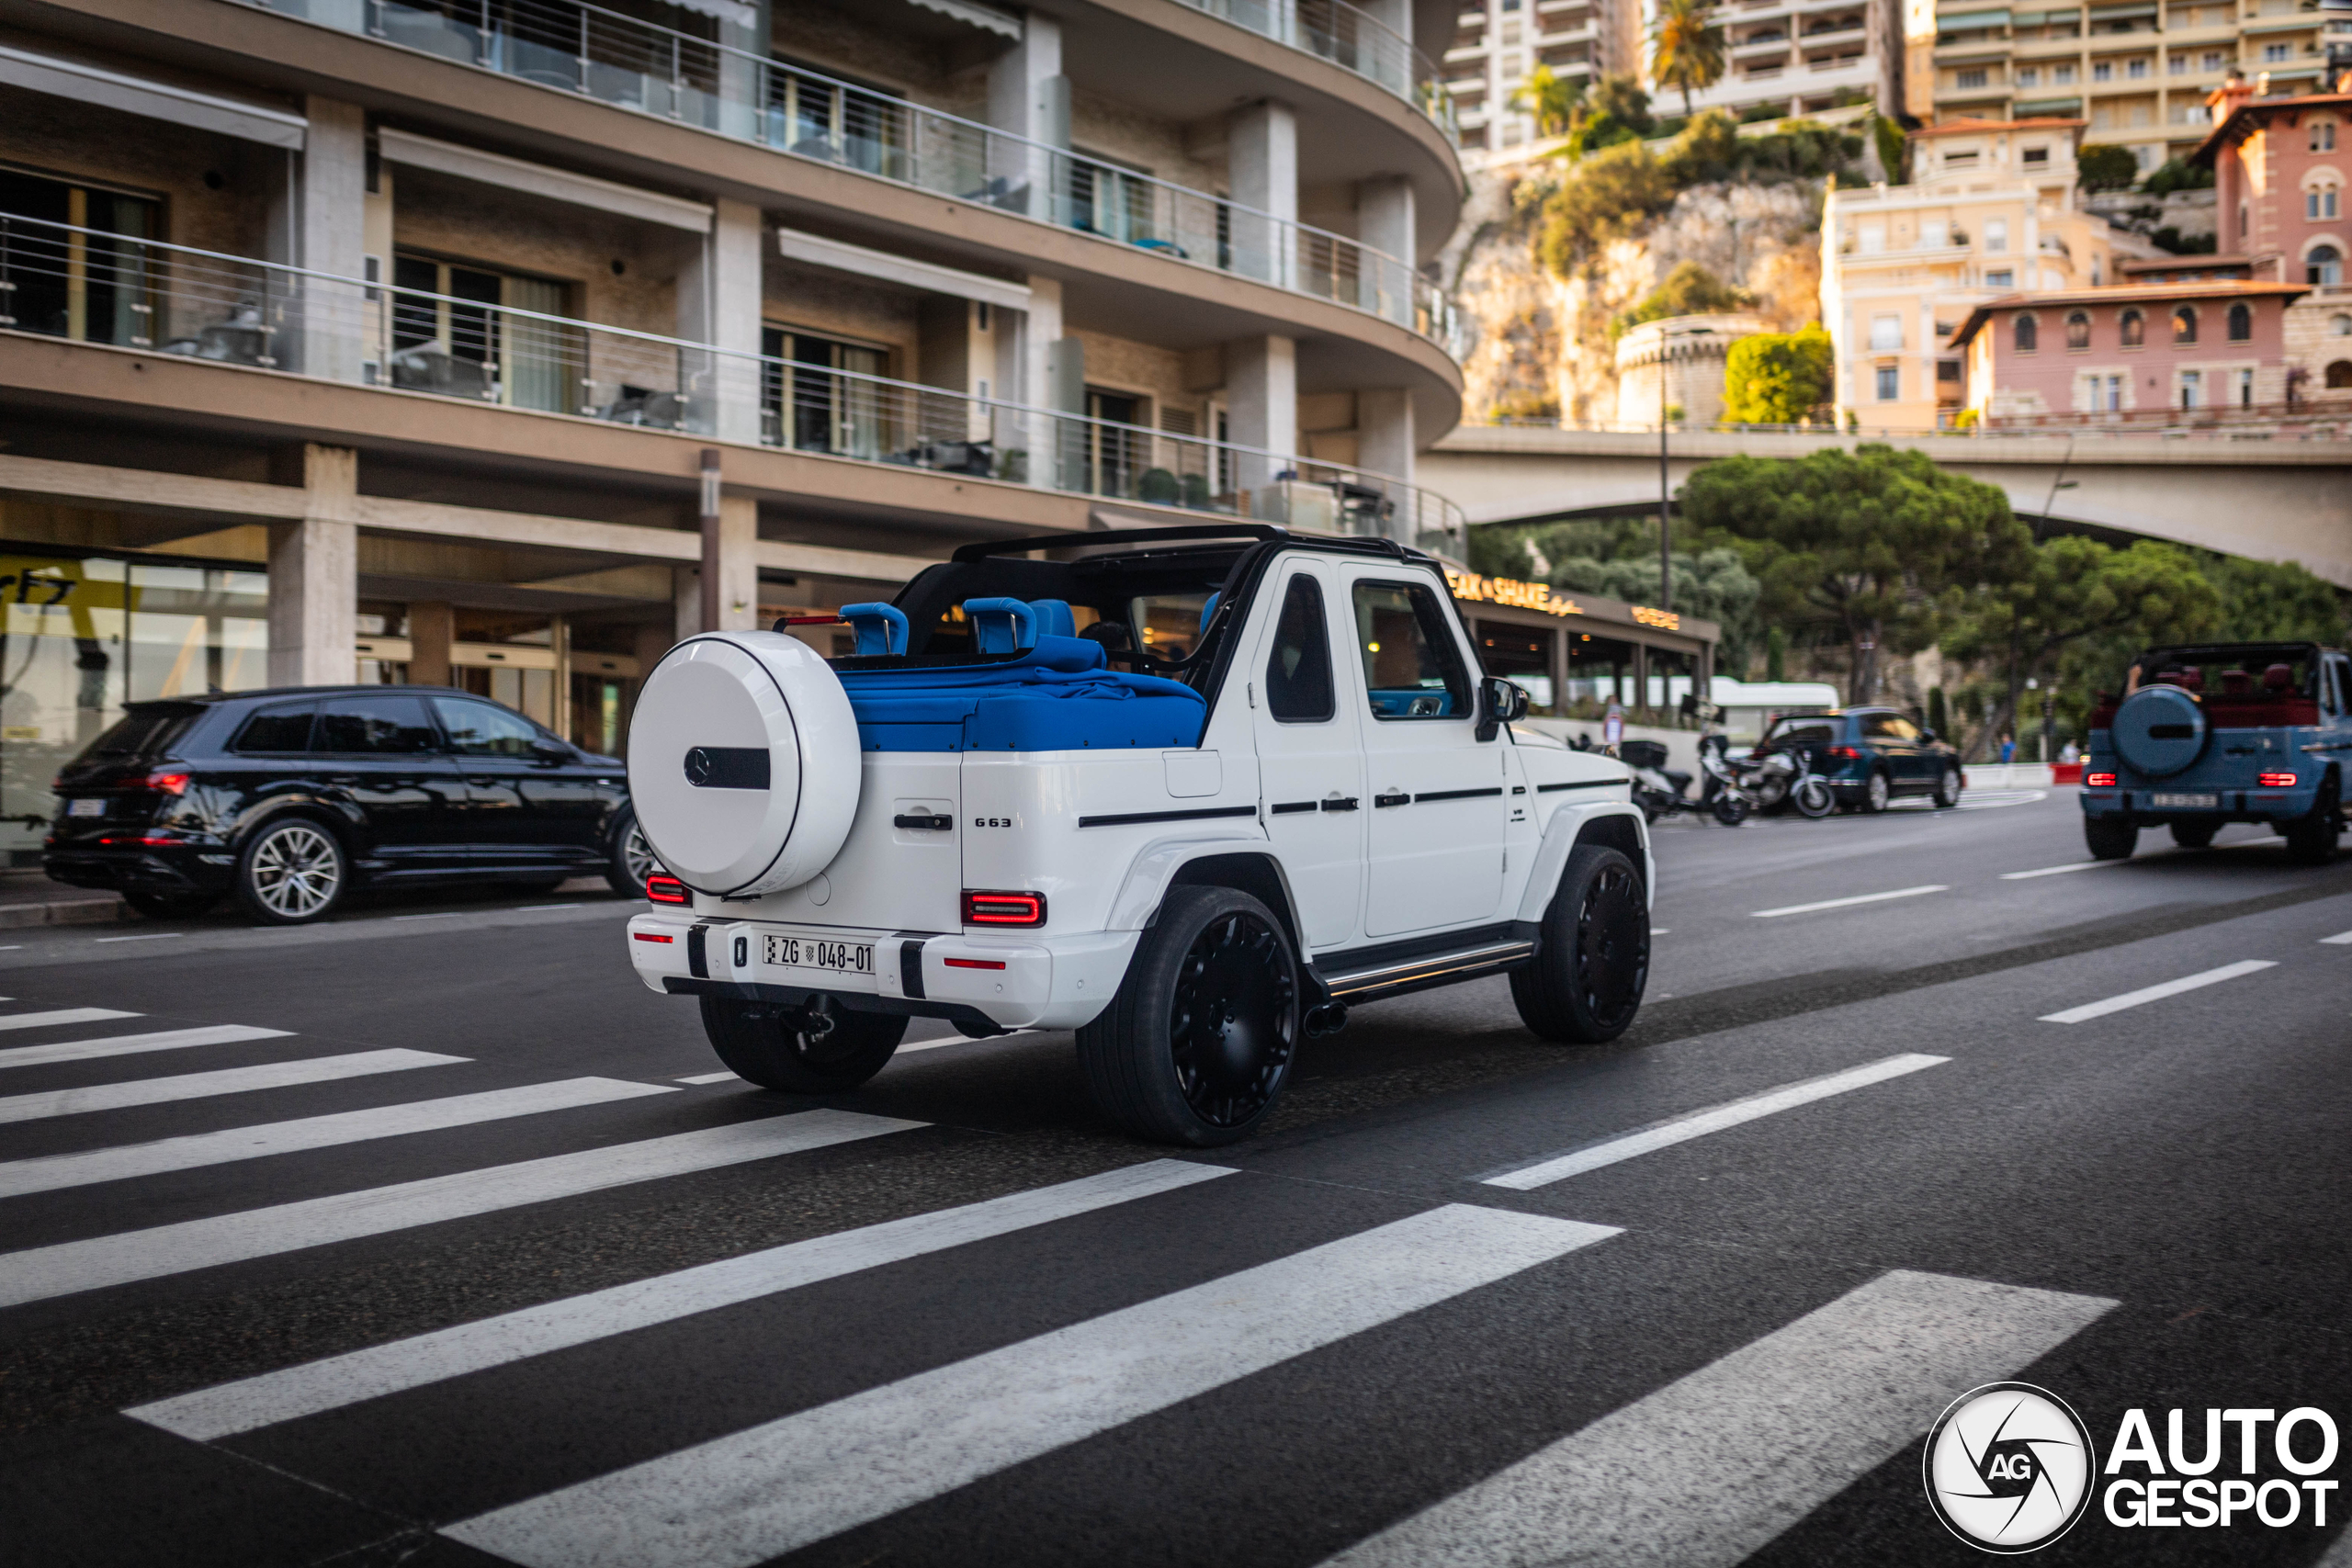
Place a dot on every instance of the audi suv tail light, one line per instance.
(1004, 908)
(167, 783)
(666, 890)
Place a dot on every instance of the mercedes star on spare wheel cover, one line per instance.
(1191, 792)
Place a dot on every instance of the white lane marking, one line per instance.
(437, 915)
(382, 1370)
(534, 908)
(223, 1081)
(1706, 1471)
(1660, 930)
(130, 1044)
(42, 1272)
(19, 1177)
(2061, 870)
(2341, 939)
(1682, 1129)
(2157, 993)
(756, 1495)
(1847, 903)
(62, 1015)
(713, 1077)
(149, 936)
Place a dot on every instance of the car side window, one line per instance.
(279, 731)
(1888, 726)
(1412, 667)
(478, 729)
(396, 725)
(1298, 668)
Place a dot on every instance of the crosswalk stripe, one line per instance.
(60, 1015)
(382, 1370)
(223, 1081)
(131, 1044)
(39, 1273)
(756, 1495)
(20, 1177)
(1681, 1129)
(1704, 1471)
(2089, 1010)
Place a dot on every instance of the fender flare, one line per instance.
(346, 823)
(1561, 835)
(1160, 866)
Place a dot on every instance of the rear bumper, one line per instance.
(998, 981)
(154, 869)
(2139, 805)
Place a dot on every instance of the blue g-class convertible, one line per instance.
(2226, 732)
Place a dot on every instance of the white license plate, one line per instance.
(85, 808)
(2206, 801)
(810, 953)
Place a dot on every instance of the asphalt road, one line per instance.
(413, 1238)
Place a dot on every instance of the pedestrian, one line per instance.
(2070, 752)
(2008, 748)
(1613, 726)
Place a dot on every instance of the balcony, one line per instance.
(1332, 31)
(655, 71)
(88, 284)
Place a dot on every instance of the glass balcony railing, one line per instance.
(1347, 37)
(84, 284)
(637, 65)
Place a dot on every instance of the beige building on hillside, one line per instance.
(1990, 210)
(1497, 44)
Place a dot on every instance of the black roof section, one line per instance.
(1263, 532)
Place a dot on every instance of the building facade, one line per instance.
(2141, 353)
(1794, 57)
(412, 340)
(1990, 212)
(1497, 44)
(1673, 369)
(2280, 163)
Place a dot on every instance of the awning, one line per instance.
(986, 18)
(2051, 107)
(1966, 19)
(817, 251)
(62, 78)
(742, 16)
(537, 179)
(2120, 13)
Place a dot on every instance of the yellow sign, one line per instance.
(1664, 620)
(1470, 586)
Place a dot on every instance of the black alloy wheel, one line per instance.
(1877, 790)
(169, 905)
(2311, 840)
(1948, 787)
(1198, 1045)
(1592, 960)
(629, 861)
(800, 1051)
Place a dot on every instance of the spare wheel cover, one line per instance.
(2160, 730)
(743, 762)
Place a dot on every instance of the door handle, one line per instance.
(1340, 803)
(1391, 799)
(923, 822)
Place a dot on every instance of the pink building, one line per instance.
(2137, 354)
(2279, 176)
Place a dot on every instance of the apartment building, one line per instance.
(1497, 45)
(418, 340)
(1990, 212)
(2138, 71)
(2279, 162)
(1790, 57)
(2160, 353)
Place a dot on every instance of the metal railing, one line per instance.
(1339, 33)
(2304, 420)
(658, 71)
(93, 285)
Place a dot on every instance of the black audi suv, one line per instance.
(288, 799)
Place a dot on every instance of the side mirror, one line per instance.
(550, 752)
(1500, 701)
(1929, 736)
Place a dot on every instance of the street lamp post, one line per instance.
(1664, 490)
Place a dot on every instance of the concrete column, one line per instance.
(330, 233)
(1384, 54)
(1053, 376)
(685, 600)
(1029, 98)
(314, 577)
(1262, 165)
(432, 627)
(739, 564)
(1384, 446)
(1384, 224)
(1262, 410)
(719, 303)
(559, 700)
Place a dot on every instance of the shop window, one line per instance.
(1600, 672)
(468, 332)
(1519, 654)
(91, 287)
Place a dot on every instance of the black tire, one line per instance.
(2109, 840)
(1197, 1046)
(1813, 799)
(2311, 840)
(1877, 790)
(1592, 959)
(628, 859)
(1947, 788)
(2194, 835)
(770, 1045)
(1731, 810)
(292, 872)
(170, 906)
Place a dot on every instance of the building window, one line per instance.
(2028, 76)
(2277, 53)
(2241, 323)
(2133, 330)
(100, 287)
(2339, 375)
(2178, 65)
(806, 404)
(1947, 370)
(2114, 394)
(2192, 388)
(2037, 157)
(2213, 61)
(2246, 389)
(1886, 334)
(2320, 202)
(2322, 136)
(1890, 383)
(2062, 75)
(2001, 280)
(2244, 218)
(2078, 329)
(2102, 71)
(2136, 69)
(465, 344)
(2025, 334)
(2341, 326)
(2184, 324)
(2324, 265)
(1996, 235)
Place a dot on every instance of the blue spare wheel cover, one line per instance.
(2160, 730)
(743, 762)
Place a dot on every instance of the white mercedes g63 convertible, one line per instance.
(1191, 792)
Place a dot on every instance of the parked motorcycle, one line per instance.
(1774, 778)
(1725, 791)
(1663, 792)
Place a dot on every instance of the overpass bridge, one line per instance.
(2282, 498)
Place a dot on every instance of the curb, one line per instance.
(103, 910)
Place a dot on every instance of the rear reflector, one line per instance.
(974, 962)
(2276, 781)
(1004, 908)
(2098, 780)
(665, 890)
(649, 936)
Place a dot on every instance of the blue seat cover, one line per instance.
(1056, 697)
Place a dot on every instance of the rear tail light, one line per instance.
(1846, 753)
(665, 890)
(1004, 908)
(167, 783)
(2276, 781)
(2098, 780)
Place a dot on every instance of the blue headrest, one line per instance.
(1002, 626)
(1054, 618)
(1209, 609)
(881, 628)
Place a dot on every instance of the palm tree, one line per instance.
(1554, 101)
(1685, 50)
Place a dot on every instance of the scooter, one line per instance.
(1662, 792)
(1778, 776)
(1725, 791)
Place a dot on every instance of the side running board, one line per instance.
(1360, 981)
